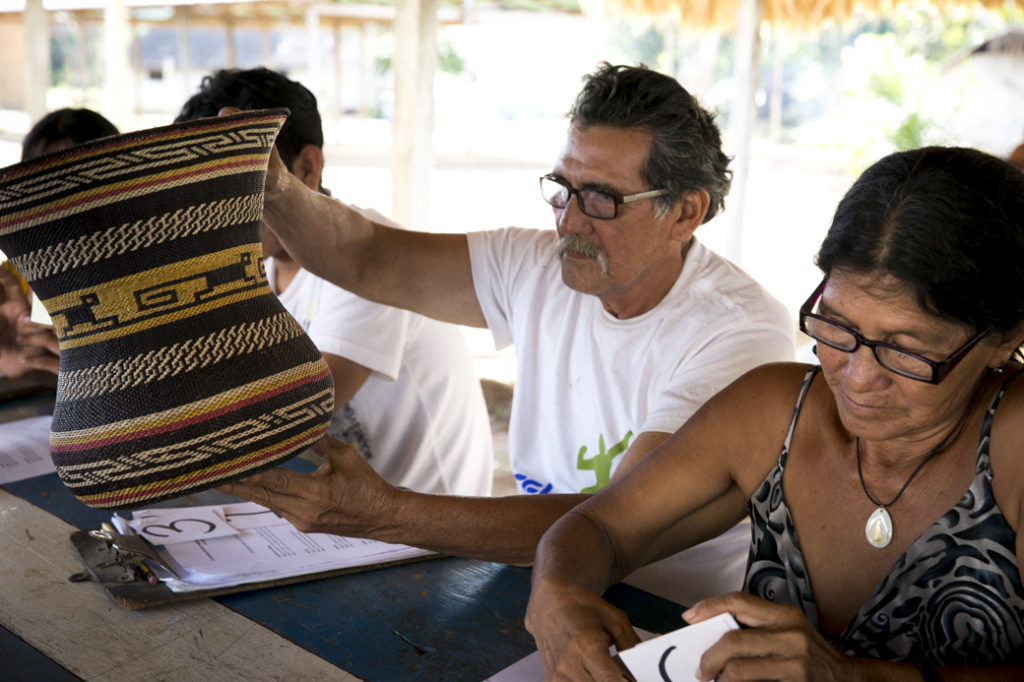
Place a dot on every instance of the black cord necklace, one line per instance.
(879, 529)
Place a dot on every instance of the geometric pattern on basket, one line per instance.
(233, 437)
(249, 460)
(157, 296)
(179, 368)
(178, 358)
(212, 407)
(38, 197)
(237, 448)
(150, 231)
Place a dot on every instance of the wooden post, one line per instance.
(414, 63)
(750, 13)
(368, 102)
(116, 70)
(37, 59)
(184, 64)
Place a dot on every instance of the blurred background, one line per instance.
(443, 114)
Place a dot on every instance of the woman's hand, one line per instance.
(779, 643)
(574, 628)
(24, 345)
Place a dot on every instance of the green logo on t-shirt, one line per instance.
(601, 463)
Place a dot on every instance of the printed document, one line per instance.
(235, 544)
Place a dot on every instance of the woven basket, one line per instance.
(179, 369)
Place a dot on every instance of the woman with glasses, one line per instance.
(885, 488)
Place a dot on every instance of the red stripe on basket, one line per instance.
(196, 419)
(222, 472)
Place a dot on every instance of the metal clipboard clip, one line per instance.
(130, 552)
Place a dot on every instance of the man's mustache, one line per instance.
(578, 246)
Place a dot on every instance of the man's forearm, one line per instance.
(423, 272)
(500, 529)
(322, 234)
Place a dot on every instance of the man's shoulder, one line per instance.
(723, 309)
(710, 279)
(518, 238)
(515, 258)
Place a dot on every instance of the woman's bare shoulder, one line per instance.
(749, 419)
(774, 385)
(1006, 453)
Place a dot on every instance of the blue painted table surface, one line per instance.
(441, 619)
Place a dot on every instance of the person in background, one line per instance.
(26, 346)
(406, 391)
(887, 507)
(63, 128)
(623, 324)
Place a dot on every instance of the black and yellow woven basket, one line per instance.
(179, 369)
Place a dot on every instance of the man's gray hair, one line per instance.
(686, 153)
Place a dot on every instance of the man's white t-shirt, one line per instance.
(420, 417)
(587, 383)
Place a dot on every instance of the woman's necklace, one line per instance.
(879, 529)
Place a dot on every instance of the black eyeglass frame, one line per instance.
(619, 199)
(940, 370)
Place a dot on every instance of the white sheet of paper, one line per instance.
(529, 669)
(251, 515)
(25, 449)
(37, 313)
(675, 656)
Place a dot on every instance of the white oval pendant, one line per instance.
(879, 528)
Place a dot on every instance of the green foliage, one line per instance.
(886, 84)
(635, 43)
(910, 134)
(448, 58)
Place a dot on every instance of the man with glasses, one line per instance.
(623, 325)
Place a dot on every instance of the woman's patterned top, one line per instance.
(953, 598)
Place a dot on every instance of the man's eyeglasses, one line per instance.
(892, 358)
(603, 205)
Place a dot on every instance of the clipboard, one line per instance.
(132, 593)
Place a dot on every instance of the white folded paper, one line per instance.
(675, 656)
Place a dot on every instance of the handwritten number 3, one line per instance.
(662, 662)
(173, 526)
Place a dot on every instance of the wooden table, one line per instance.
(442, 619)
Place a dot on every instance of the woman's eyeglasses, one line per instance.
(892, 358)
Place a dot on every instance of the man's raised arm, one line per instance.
(426, 273)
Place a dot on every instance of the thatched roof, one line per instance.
(722, 14)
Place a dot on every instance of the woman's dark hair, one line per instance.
(261, 88)
(62, 128)
(949, 222)
(686, 153)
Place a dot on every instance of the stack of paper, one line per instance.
(25, 449)
(235, 544)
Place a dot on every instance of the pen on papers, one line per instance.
(148, 574)
(144, 570)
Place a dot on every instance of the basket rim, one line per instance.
(102, 145)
